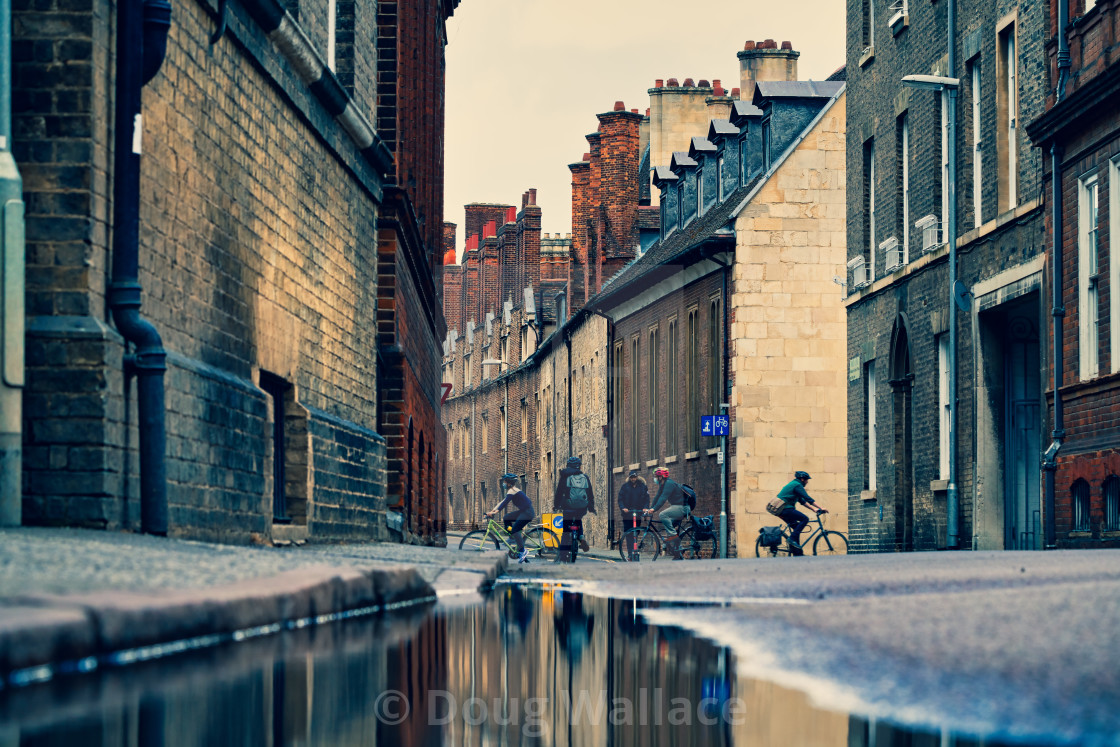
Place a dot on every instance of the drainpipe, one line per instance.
(610, 426)
(952, 498)
(1057, 311)
(11, 294)
(141, 25)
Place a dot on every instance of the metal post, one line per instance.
(724, 407)
(11, 294)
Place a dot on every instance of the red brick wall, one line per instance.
(1092, 43)
(581, 220)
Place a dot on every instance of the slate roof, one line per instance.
(740, 110)
(798, 89)
(663, 174)
(720, 128)
(681, 160)
(701, 145)
(643, 179)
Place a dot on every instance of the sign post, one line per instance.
(722, 427)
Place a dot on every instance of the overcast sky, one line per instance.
(525, 79)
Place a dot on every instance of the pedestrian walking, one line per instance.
(574, 497)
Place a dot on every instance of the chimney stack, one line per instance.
(764, 61)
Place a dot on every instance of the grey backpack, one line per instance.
(579, 488)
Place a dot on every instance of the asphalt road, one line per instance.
(1018, 646)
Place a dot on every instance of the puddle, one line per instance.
(525, 666)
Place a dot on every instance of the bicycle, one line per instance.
(647, 539)
(537, 540)
(825, 541)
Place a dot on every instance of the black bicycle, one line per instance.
(697, 540)
(824, 541)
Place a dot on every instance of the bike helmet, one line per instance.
(509, 477)
(575, 462)
(801, 475)
(661, 472)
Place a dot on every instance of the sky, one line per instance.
(525, 79)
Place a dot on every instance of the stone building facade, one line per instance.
(268, 208)
(899, 351)
(1079, 135)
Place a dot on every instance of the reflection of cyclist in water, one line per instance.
(574, 626)
(630, 620)
(519, 609)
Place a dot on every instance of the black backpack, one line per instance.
(689, 497)
(705, 527)
(770, 536)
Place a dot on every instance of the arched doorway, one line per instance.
(902, 386)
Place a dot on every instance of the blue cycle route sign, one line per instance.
(707, 425)
(722, 425)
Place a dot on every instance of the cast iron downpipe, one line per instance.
(1057, 311)
(142, 27)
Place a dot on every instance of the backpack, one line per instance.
(770, 536)
(578, 488)
(705, 527)
(689, 497)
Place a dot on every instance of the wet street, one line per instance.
(709, 653)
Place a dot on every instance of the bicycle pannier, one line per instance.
(689, 497)
(775, 505)
(770, 536)
(705, 527)
(578, 487)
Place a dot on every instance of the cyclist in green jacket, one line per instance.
(793, 493)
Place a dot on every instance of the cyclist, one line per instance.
(633, 498)
(520, 515)
(793, 493)
(668, 491)
(574, 496)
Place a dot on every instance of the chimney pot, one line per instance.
(769, 44)
(704, 84)
(647, 111)
(787, 45)
(511, 214)
(748, 46)
(688, 83)
(633, 111)
(533, 196)
(619, 106)
(735, 93)
(587, 156)
(659, 83)
(673, 83)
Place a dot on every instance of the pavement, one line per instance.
(1022, 646)
(69, 597)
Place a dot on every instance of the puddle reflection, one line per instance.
(528, 667)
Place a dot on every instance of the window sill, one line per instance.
(671, 460)
(899, 23)
(651, 463)
(939, 486)
(636, 465)
(713, 451)
(692, 455)
(867, 56)
(1080, 535)
(618, 470)
(867, 495)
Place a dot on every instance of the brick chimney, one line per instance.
(765, 61)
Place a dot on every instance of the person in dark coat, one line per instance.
(574, 497)
(633, 498)
(670, 495)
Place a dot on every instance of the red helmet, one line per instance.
(661, 472)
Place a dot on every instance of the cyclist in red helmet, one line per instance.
(669, 492)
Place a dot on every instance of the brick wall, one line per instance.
(237, 278)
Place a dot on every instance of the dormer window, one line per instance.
(766, 144)
(699, 192)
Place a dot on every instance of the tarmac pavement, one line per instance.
(70, 596)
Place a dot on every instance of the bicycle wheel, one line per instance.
(479, 540)
(830, 543)
(764, 551)
(537, 542)
(693, 548)
(648, 544)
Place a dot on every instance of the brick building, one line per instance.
(1079, 135)
(621, 378)
(899, 301)
(280, 213)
